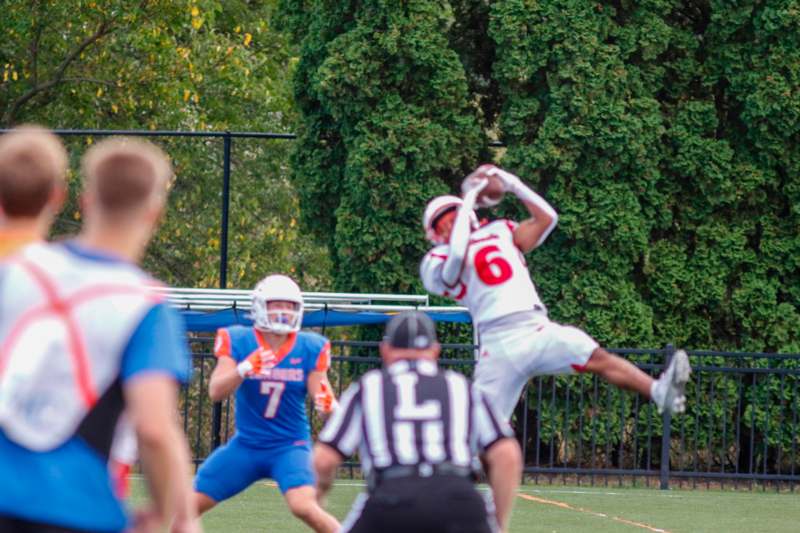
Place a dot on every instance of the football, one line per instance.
(492, 194)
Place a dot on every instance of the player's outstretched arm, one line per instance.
(152, 401)
(504, 463)
(459, 237)
(532, 232)
(320, 390)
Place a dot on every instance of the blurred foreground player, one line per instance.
(417, 429)
(484, 269)
(271, 367)
(33, 164)
(82, 338)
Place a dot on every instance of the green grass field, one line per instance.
(552, 509)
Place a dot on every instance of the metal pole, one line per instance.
(216, 423)
(666, 426)
(226, 200)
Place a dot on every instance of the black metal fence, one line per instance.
(741, 427)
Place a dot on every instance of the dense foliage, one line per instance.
(167, 65)
(386, 124)
(664, 132)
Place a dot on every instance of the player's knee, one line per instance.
(203, 502)
(302, 505)
(599, 361)
(303, 510)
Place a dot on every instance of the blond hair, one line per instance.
(33, 162)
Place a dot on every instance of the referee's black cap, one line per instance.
(411, 329)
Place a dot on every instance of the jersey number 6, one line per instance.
(491, 267)
(275, 390)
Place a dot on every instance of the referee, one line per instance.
(418, 429)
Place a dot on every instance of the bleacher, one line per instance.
(207, 309)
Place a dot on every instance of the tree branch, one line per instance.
(103, 29)
(34, 47)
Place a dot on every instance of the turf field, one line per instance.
(553, 509)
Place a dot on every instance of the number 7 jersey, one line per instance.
(271, 408)
(494, 280)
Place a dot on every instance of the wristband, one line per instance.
(511, 181)
(244, 368)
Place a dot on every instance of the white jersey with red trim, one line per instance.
(89, 310)
(494, 280)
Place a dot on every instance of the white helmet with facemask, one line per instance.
(274, 288)
(436, 209)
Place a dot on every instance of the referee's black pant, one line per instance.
(420, 505)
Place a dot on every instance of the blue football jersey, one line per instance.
(271, 408)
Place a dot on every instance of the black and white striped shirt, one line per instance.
(412, 413)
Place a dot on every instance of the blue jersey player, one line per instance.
(272, 367)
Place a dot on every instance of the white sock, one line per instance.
(657, 393)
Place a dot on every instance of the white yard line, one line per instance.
(569, 507)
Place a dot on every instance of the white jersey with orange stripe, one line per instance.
(65, 323)
(494, 281)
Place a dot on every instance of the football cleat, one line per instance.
(669, 392)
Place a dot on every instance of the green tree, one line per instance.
(387, 123)
(583, 126)
(186, 65)
(666, 134)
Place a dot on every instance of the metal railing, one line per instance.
(219, 299)
(741, 426)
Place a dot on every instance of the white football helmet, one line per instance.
(277, 287)
(438, 207)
